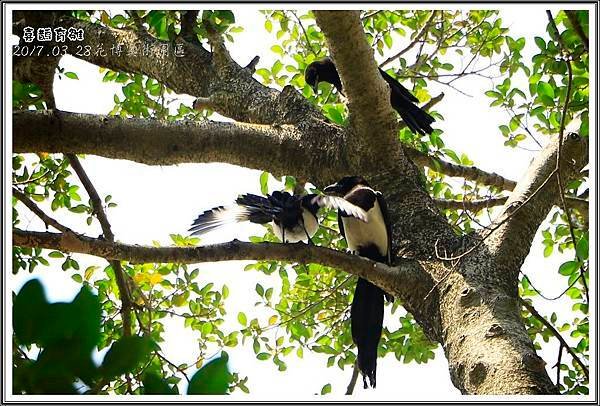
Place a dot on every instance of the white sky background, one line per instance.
(155, 201)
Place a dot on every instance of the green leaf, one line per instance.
(545, 89)
(212, 379)
(125, 355)
(154, 384)
(207, 328)
(326, 389)
(568, 268)
(264, 183)
(276, 67)
(29, 311)
(263, 356)
(268, 25)
(242, 318)
(71, 75)
(56, 254)
(540, 43)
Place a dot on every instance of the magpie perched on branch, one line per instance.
(401, 99)
(370, 239)
(294, 218)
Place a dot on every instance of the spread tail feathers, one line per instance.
(256, 209)
(366, 315)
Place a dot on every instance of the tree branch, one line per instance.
(307, 152)
(531, 200)
(407, 280)
(98, 211)
(235, 92)
(49, 221)
(97, 207)
(475, 205)
(414, 42)
(353, 379)
(556, 334)
(467, 172)
(370, 112)
(188, 23)
(572, 16)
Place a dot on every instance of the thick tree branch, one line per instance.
(407, 280)
(189, 20)
(280, 150)
(190, 70)
(531, 200)
(370, 112)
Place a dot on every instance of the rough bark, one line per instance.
(469, 305)
(284, 149)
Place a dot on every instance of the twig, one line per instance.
(556, 334)
(572, 16)
(353, 380)
(49, 221)
(310, 45)
(31, 180)
(546, 297)
(558, 154)
(159, 355)
(412, 43)
(560, 351)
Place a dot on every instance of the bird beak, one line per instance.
(315, 87)
(332, 190)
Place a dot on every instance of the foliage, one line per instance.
(309, 303)
(65, 334)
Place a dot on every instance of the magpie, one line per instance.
(294, 218)
(401, 99)
(370, 239)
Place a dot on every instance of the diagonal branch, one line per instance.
(98, 211)
(49, 221)
(184, 67)
(97, 208)
(531, 201)
(414, 42)
(558, 336)
(572, 16)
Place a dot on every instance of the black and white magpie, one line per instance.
(401, 99)
(294, 218)
(370, 239)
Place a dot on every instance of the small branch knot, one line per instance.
(494, 331)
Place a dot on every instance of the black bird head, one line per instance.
(311, 76)
(345, 185)
(322, 71)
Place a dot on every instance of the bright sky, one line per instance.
(155, 201)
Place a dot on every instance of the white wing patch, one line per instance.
(339, 203)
